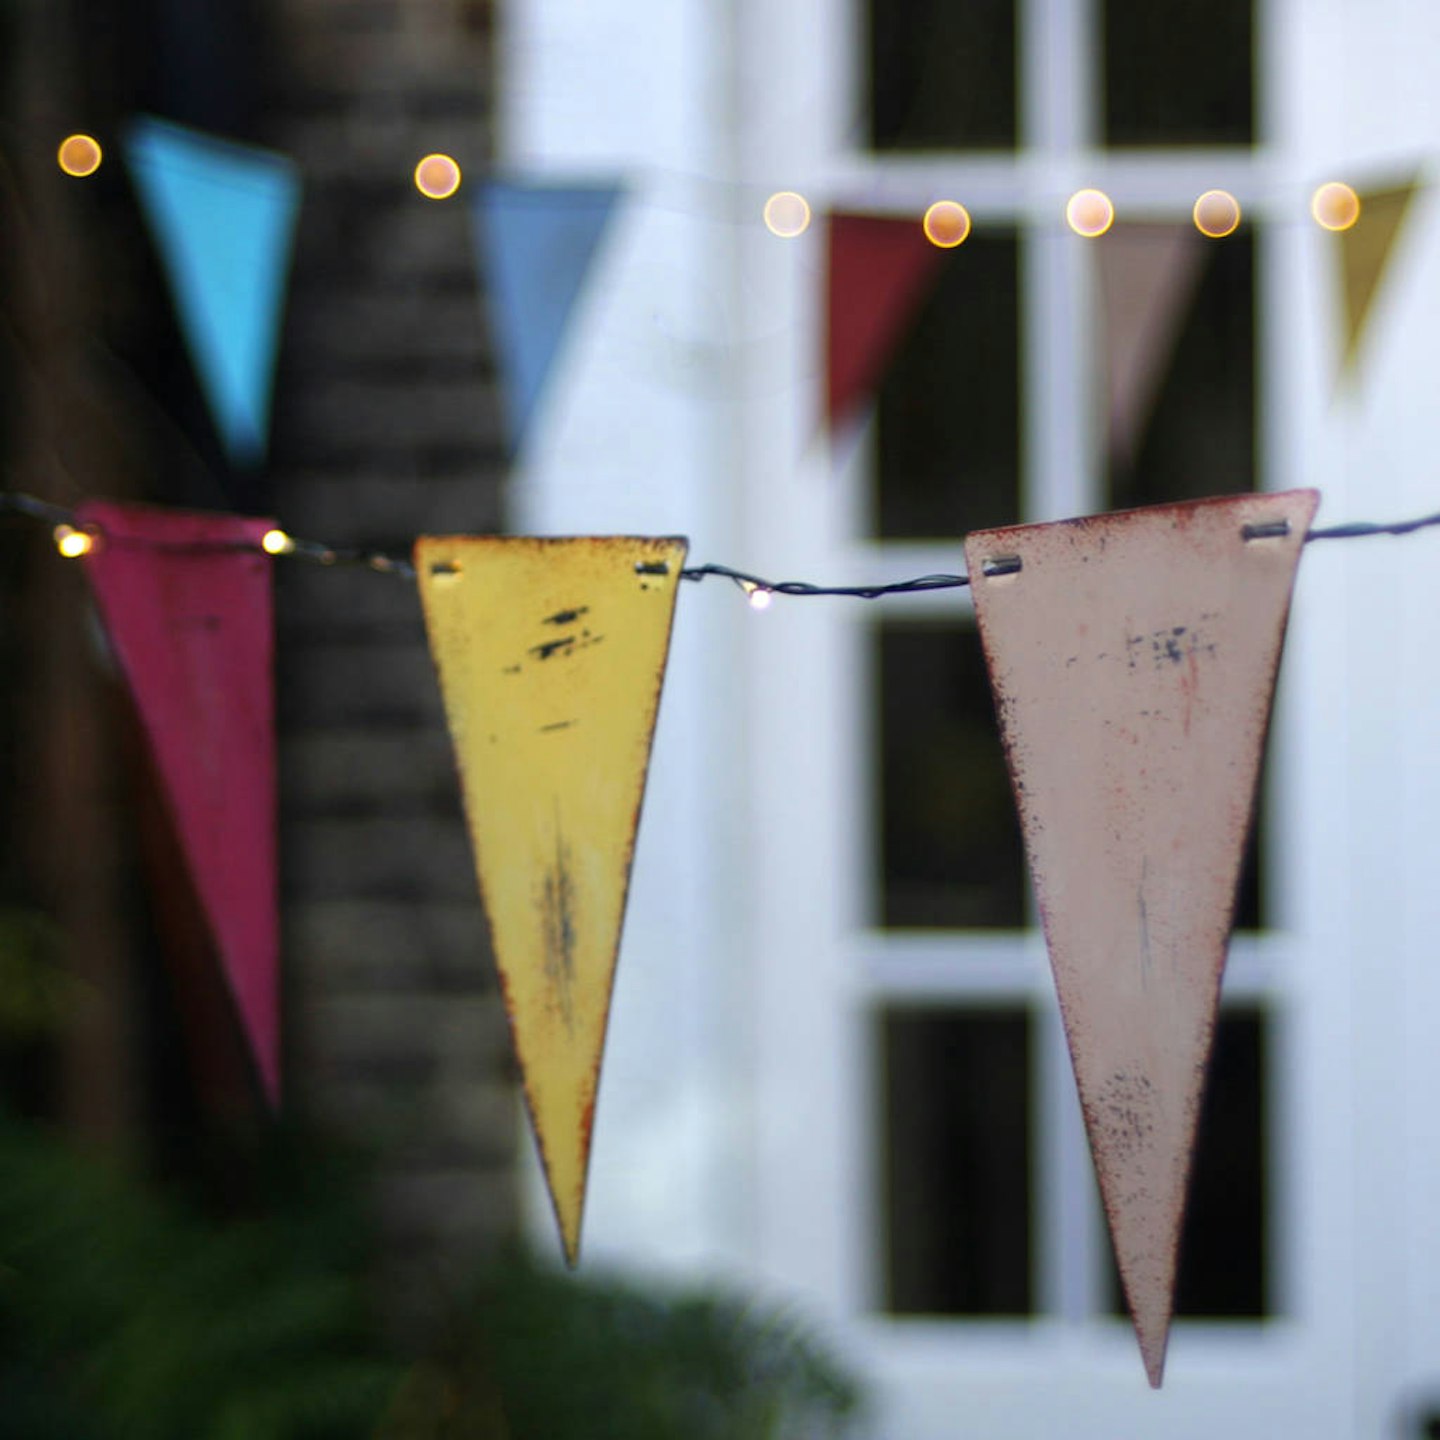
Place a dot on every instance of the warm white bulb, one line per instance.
(760, 597)
(72, 543)
(276, 542)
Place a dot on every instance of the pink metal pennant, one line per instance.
(187, 602)
(1133, 659)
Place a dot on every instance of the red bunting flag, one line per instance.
(1133, 659)
(187, 603)
(879, 272)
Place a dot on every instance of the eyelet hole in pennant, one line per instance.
(999, 565)
(1265, 530)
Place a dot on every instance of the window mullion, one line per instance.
(1058, 75)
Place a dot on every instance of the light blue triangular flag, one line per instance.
(537, 244)
(223, 217)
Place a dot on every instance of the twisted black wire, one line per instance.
(390, 564)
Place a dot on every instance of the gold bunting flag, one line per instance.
(1133, 659)
(1366, 249)
(551, 656)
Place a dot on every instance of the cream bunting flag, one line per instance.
(1133, 659)
(551, 656)
(1148, 278)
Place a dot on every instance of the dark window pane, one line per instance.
(956, 1110)
(1200, 437)
(1182, 73)
(1250, 901)
(942, 74)
(1222, 1250)
(951, 854)
(948, 412)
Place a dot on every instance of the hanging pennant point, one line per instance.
(1133, 666)
(223, 219)
(1368, 233)
(537, 246)
(1149, 275)
(880, 269)
(190, 616)
(553, 762)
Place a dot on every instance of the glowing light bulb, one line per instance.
(1089, 213)
(787, 214)
(1335, 206)
(1217, 214)
(276, 542)
(80, 155)
(758, 596)
(73, 543)
(437, 177)
(946, 224)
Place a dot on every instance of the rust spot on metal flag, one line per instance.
(1133, 660)
(552, 735)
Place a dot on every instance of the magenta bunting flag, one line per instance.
(1133, 659)
(880, 269)
(187, 602)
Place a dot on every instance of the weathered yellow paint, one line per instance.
(551, 656)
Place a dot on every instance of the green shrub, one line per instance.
(125, 1314)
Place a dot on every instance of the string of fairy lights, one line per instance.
(787, 214)
(74, 539)
(1089, 213)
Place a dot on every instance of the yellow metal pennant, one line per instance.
(551, 656)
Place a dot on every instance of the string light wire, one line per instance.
(756, 588)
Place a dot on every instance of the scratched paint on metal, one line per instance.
(1133, 659)
(551, 656)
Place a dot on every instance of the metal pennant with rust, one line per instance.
(551, 655)
(1133, 659)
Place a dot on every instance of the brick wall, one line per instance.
(388, 426)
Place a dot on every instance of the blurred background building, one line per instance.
(835, 1071)
(386, 424)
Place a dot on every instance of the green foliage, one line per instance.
(124, 1315)
(36, 995)
(538, 1355)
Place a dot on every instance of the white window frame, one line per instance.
(818, 1138)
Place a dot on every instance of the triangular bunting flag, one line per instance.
(1365, 252)
(880, 269)
(1133, 658)
(537, 244)
(1148, 276)
(551, 656)
(223, 216)
(186, 600)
